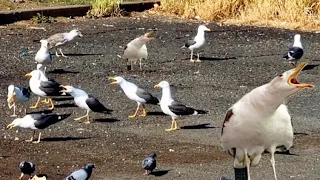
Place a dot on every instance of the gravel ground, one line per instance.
(236, 59)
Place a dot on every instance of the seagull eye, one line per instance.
(280, 75)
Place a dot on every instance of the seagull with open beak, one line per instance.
(260, 121)
(137, 49)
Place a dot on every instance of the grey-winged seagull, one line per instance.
(137, 50)
(17, 95)
(197, 42)
(60, 39)
(81, 174)
(295, 52)
(85, 101)
(260, 121)
(135, 93)
(26, 168)
(36, 122)
(43, 55)
(173, 108)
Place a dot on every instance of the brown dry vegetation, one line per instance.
(291, 14)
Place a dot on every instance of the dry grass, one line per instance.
(292, 14)
(101, 8)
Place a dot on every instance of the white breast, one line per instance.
(165, 109)
(81, 102)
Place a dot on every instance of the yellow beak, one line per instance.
(148, 35)
(156, 86)
(64, 88)
(28, 75)
(292, 80)
(114, 82)
(10, 126)
(208, 29)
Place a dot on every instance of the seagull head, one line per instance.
(147, 37)
(287, 82)
(116, 80)
(11, 94)
(15, 123)
(66, 89)
(297, 41)
(203, 28)
(34, 74)
(162, 84)
(75, 33)
(44, 43)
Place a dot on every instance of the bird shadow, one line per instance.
(4, 157)
(160, 173)
(216, 58)
(310, 66)
(287, 152)
(53, 139)
(62, 71)
(63, 99)
(300, 134)
(84, 54)
(65, 105)
(156, 113)
(106, 120)
(40, 112)
(199, 126)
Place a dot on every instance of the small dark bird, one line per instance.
(81, 174)
(295, 52)
(149, 163)
(26, 168)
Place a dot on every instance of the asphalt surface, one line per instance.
(236, 60)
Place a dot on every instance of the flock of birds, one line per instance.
(245, 135)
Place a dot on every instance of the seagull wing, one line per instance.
(150, 99)
(45, 120)
(180, 109)
(95, 105)
(56, 40)
(50, 87)
(190, 43)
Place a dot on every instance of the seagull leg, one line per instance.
(140, 64)
(57, 53)
(31, 139)
(14, 110)
(77, 119)
(247, 161)
(135, 114)
(144, 112)
(172, 124)
(52, 105)
(20, 178)
(62, 53)
(191, 56)
(88, 119)
(175, 125)
(273, 163)
(46, 101)
(39, 137)
(198, 60)
(36, 105)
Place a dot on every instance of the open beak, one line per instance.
(156, 86)
(64, 88)
(148, 36)
(28, 75)
(292, 80)
(10, 126)
(114, 81)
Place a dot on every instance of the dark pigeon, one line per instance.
(26, 168)
(149, 163)
(81, 174)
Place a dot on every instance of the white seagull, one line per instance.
(260, 121)
(85, 101)
(61, 39)
(137, 49)
(43, 56)
(197, 42)
(173, 108)
(42, 68)
(37, 122)
(17, 95)
(295, 52)
(135, 93)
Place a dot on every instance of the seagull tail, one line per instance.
(199, 112)
(107, 111)
(285, 56)
(63, 116)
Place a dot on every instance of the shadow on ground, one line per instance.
(62, 71)
(156, 113)
(52, 139)
(160, 173)
(106, 120)
(199, 126)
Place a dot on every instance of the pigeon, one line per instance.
(81, 174)
(149, 163)
(26, 168)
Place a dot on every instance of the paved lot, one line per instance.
(237, 59)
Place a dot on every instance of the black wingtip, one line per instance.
(202, 111)
(64, 116)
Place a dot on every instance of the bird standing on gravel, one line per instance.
(36, 122)
(149, 163)
(26, 168)
(85, 101)
(197, 42)
(260, 121)
(135, 93)
(295, 52)
(173, 108)
(137, 49)
(43, 56)
(81, 174)
(17, 95)
(61, 39)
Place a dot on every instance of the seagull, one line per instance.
(42, 87)
(137, 49)
(197, 42)
(149, 163)
(42, 68)
(85, 101)
(173, 108)
(43, 56)
(135, 93)
(37, 122)
(295, 52)
(17, 95)
(61, 39)
(260, 121)
(26, 168)
(81, 174)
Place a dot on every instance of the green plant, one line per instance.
(39, 18)
(102, 8)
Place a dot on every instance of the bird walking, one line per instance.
(85, 101)
(60, 39)
(197, 42)
(135, 93)
(26, 168)
(174, 108)
(260, 121)
(137, 50)
(81, 174)
(295, 52)
(36, 122)
(149, 163)
(17, 95)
